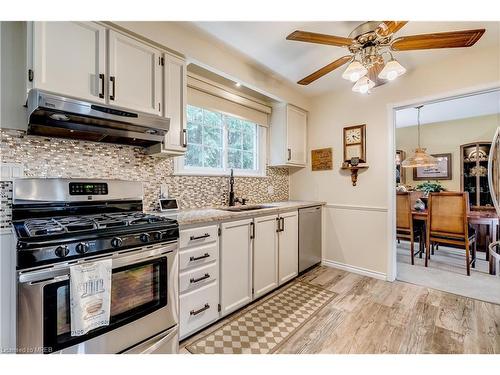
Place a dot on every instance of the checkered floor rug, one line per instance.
(266, 325)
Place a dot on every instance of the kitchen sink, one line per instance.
(245, 208)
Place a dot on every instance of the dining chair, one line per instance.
(448, 225)
(405, 229)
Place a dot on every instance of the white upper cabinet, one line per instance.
(174, 76)
(288, 239)
(88, 61)
(288, 136)
(134, 74)
(69, 58)
(265, 255)
(296, 135)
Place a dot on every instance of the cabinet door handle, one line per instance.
(196, 312)
(278, 225)
(289, 154)
(194, 238)
(192, 259)
(282, 224)
(101, 91)
(184, 138)
(204, 277)
(252, 230)
(113, 87)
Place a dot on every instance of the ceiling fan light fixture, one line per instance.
(363, 85)
(354, 71)
(392, 70)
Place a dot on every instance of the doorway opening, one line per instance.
(444, 208)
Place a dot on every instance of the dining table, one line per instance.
(476, 218)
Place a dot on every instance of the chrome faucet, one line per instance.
(232, 199)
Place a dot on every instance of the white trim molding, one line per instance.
(356, 208)
(354, 269)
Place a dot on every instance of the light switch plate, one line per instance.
(270, 190)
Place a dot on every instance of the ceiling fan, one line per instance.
(370, 41)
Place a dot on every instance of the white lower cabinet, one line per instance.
(219, 274)
(288, 239)
(192, 279)
(198, 308)
(265, 255)
(235, 265)
(198, 256)
(198, 279)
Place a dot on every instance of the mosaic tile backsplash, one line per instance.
(53, 157)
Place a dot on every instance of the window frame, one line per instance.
(261, 158)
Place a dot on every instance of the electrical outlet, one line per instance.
(10, 171)
(270, 190)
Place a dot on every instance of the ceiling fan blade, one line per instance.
(324, 70)
(387, 28)
(373, 73)
(453, 39)
(332, 40)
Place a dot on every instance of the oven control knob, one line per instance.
(62, 251)
(116, 242)
(82, 248)
(144, 237)
(157, 236)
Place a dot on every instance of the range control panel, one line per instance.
(86, 188)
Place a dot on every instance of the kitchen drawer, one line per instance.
(194, 278)
(198, 308)
(198, 256)
(197, 236)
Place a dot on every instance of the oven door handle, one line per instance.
(45, 281)
(56, 274)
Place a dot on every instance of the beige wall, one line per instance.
(446, 137)
(358, 228)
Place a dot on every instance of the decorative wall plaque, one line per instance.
(321, 159)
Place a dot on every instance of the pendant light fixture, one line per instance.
(420, 158)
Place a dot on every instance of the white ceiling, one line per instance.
(265, 43)
(454, 109)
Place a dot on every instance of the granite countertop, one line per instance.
(210, 214)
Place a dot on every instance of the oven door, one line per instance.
(143, 304)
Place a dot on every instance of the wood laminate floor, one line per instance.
(373, 316)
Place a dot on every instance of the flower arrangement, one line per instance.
(430, 187)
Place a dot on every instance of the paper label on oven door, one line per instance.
(90, 296)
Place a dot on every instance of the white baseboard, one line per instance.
(354, 269)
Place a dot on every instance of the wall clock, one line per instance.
(355, 143)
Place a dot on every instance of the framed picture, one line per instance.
(355, 143)
(321, 159)
(442, 171)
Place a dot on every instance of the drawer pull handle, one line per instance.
(193, 280)
(192, 259)
(199, 311)
(193, 238)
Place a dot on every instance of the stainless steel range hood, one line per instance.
(59, 116)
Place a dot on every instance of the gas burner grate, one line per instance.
(42, 227)
(71, 224)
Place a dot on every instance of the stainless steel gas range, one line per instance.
(59, 223)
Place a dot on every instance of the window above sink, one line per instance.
(218, 142)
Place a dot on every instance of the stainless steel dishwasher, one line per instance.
(309, 237)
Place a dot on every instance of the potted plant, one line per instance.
(427, 187)
(430, 187)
